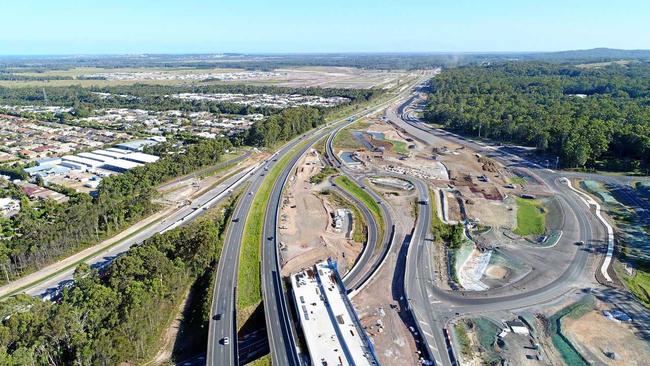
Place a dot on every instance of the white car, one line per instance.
(225, 341)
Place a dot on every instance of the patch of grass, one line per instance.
(463, 339)
(399, 147)
(264, 361)
(639, 284)
(363, 196)
(344, 138)
(452, 235)
(517, 180)
(531, 217)
(320, 176)
(249, 281)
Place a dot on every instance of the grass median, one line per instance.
(249, 281)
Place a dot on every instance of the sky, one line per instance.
(43, 27)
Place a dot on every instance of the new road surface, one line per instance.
(432, 306)
(279, 323)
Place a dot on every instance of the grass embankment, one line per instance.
(324, 173)
(517, 180)
(638, 284)
(531, 217)
(463, 340)
(452, 235)
(568, 352)
(399, 147)
(264, 361)
(449, 235)
(363, 196)
(248, 283)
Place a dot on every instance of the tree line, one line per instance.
(118, 314)
(44, 231)
(586, 116)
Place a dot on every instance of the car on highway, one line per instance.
(217, 316)
(225, 341)
(580, 243)
(236, 219)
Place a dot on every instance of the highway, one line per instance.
(279, 323)
(52, 284)
(278, 320)
(224, 302)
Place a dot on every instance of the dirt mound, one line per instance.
(497, 272)
(488, 164)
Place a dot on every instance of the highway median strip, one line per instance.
(249, 280)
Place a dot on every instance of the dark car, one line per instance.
(217, 316)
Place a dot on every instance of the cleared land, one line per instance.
(323, 77)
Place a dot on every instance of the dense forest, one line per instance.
(586, 115)
(118, 315)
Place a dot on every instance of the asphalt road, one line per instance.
(224, 303)
(179, 217)
(362, 271)
(278, 319)
(433, 306)
(415, 284)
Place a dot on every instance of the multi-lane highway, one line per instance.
(279, 323)
(278, 320)
(63, 272)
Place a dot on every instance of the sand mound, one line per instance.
(496, 272)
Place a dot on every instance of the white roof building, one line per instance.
(96, 157)
(333, 333)
(143, 158)
(81, 160)
(110, 154)
(118, 150)
(121, 165)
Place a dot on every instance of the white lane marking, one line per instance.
(610, 231)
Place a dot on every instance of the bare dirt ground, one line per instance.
(306, 230)
(493, 213)
(392, 339)
(597, 335)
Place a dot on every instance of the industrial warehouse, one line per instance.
(83, 171)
